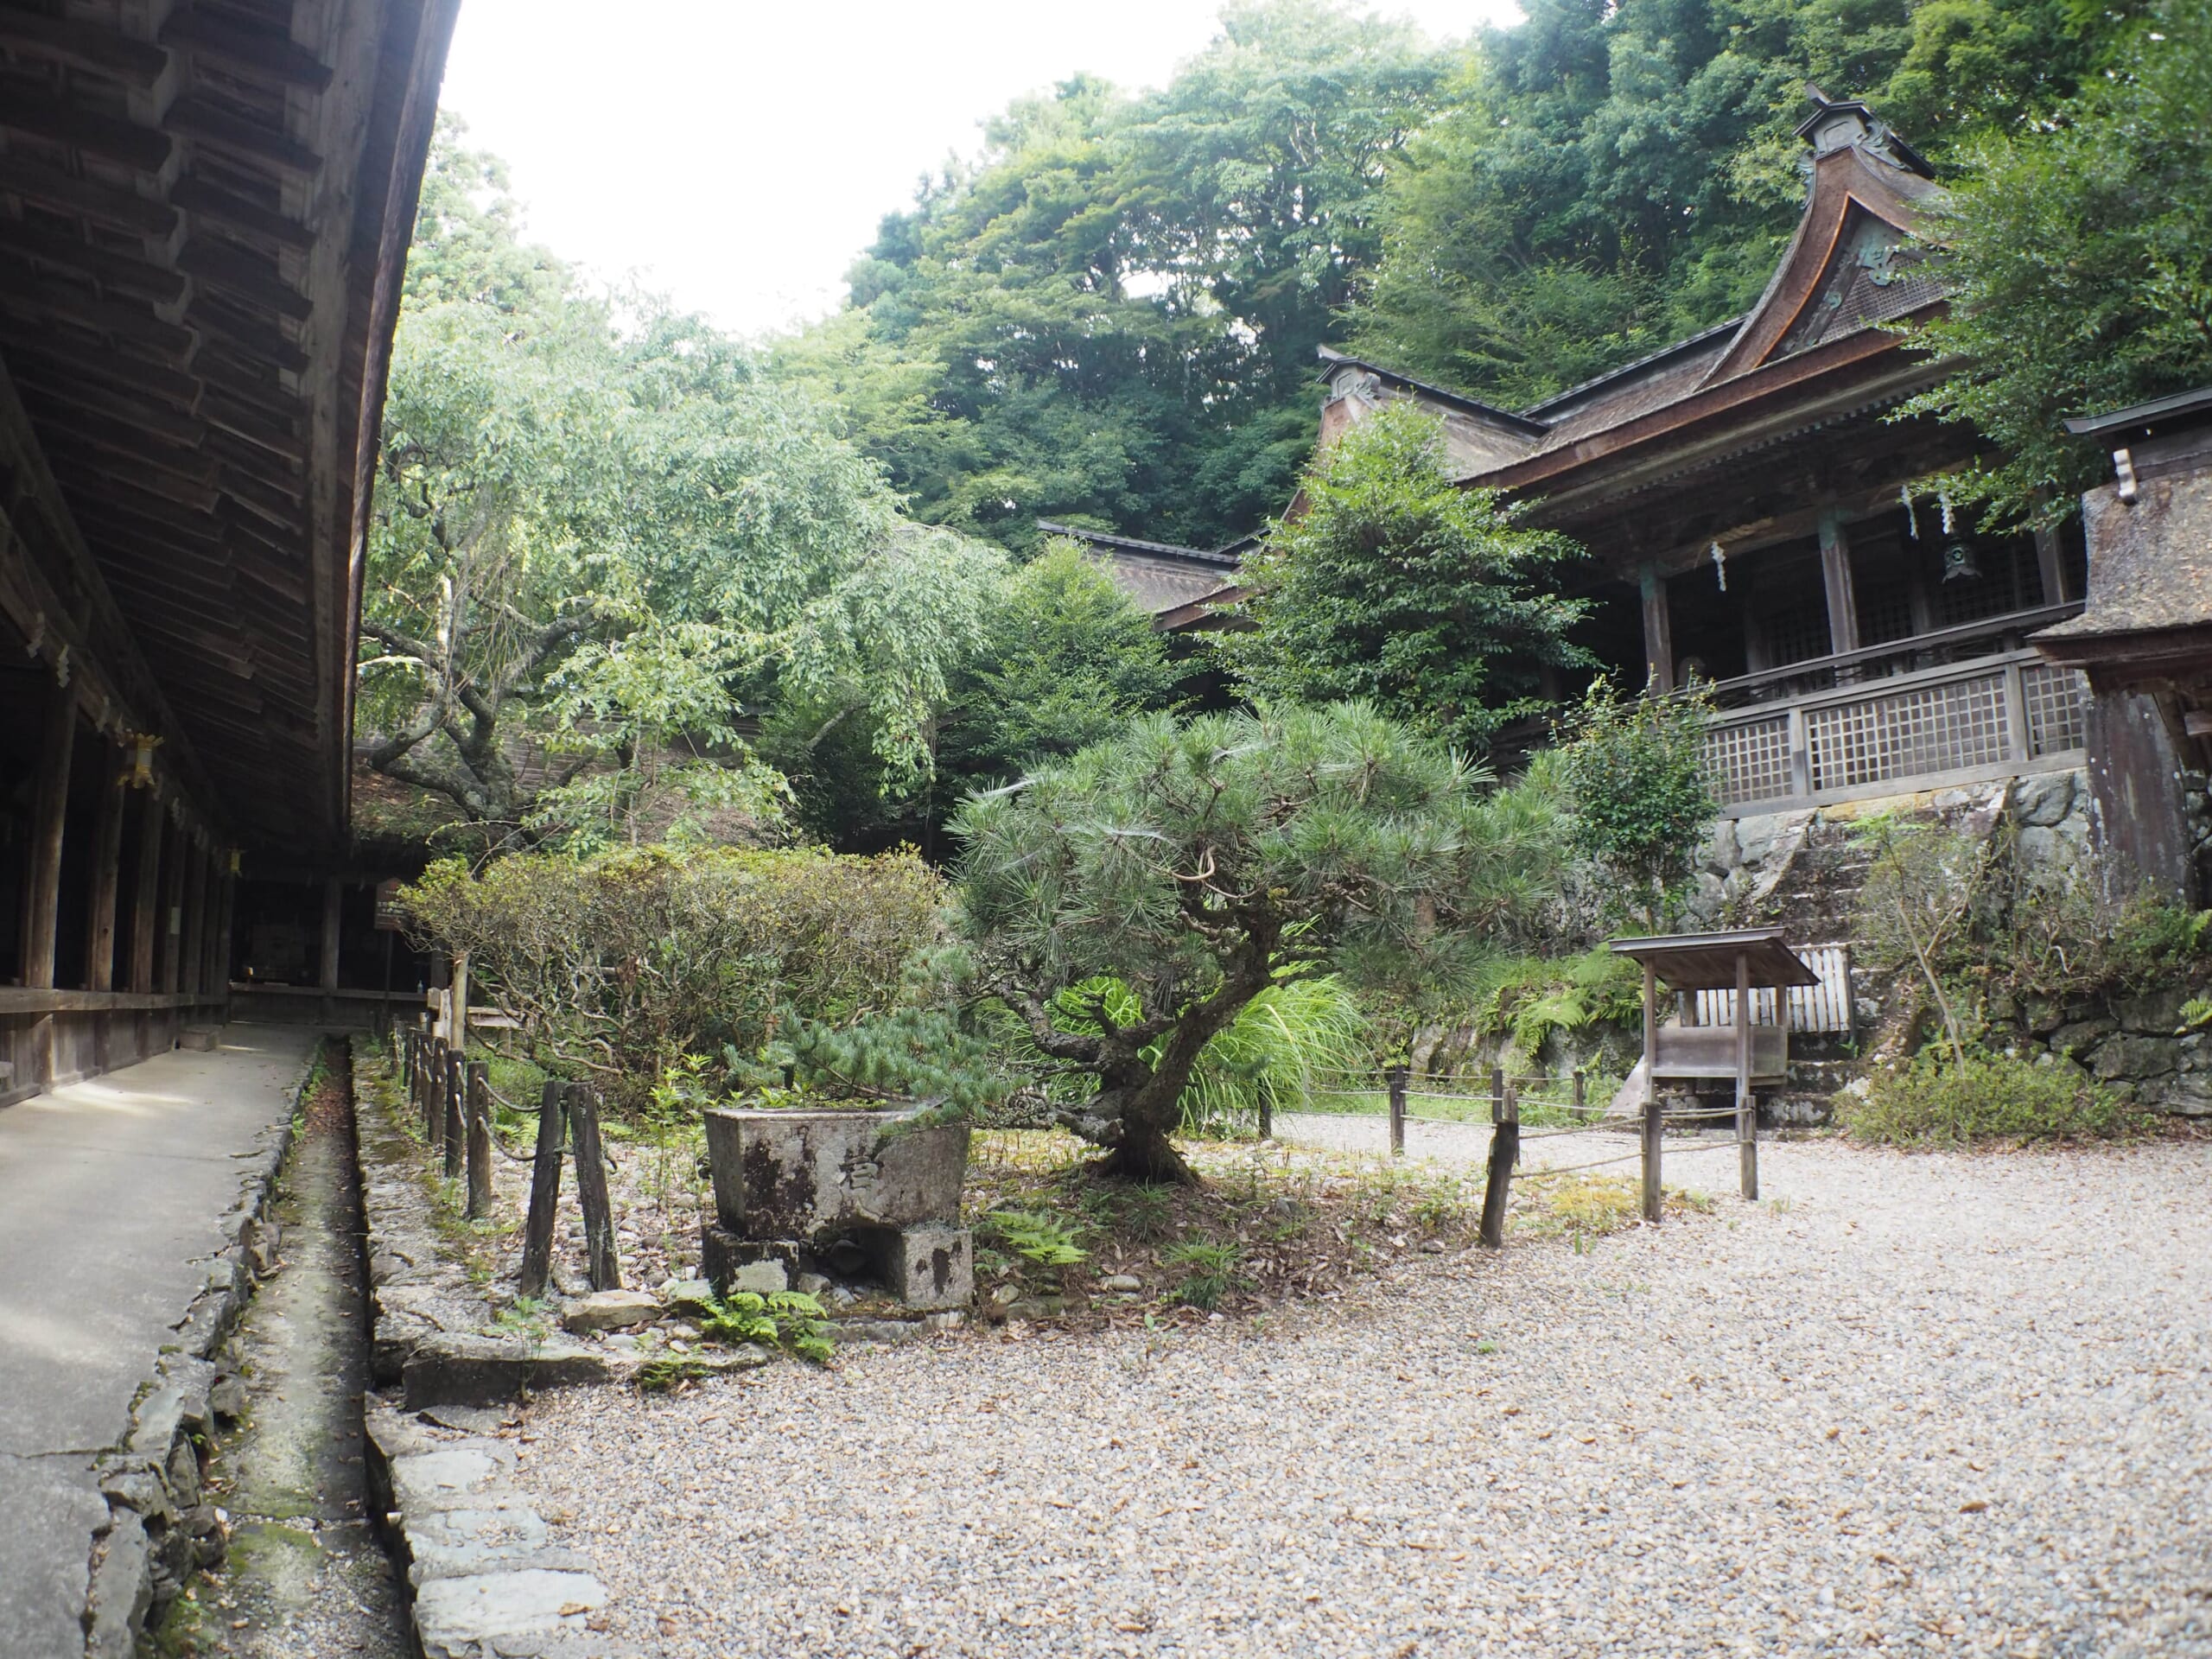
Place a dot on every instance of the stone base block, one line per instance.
(932, 1266)
(929, 1265)
(723, 1258)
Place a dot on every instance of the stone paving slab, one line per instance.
(124, 1204)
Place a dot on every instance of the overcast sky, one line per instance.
(737, 154)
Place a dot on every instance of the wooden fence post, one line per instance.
(479, 1095)
(434, 1108)
(1581, 1097)
(544, 1191)
(605, 1266)
(1747, 1113)
(1504, 1153)
(1266, 1115)
(456, 1092)
(1397, 1111)
(1652, 1126)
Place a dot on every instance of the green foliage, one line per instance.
(1043, 1240)
(787, 1319)
(2079, 255)
(1531, 997)
(1112, 313)
(1981, 929)
(1198, 864)
(1395, 586)
(1935, 1100)
(1604, 178)
(1064, 659)
(1210, 1272)
(1287, 1042)
(1635, 795)
(622, 965)
(603, 542)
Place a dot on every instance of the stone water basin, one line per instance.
(791, 1186)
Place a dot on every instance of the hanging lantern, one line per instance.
(1959, 563)
(139, 752)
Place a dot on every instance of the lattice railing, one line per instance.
(2058, 707)
(1970, 718)
(1749, 762)
(1933, 728)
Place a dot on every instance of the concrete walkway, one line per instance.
(110, 1194)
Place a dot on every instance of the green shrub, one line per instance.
(1530, 997)
(622, 965)
(1638, 802)
(788, 1320)
(1934, 1100)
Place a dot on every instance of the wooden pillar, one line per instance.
(190, 955)
(1835, 576)
(1658, 629)
(226, 892)
(43, 871)
(146, 901)
(1747, 1122)
(173, 882)
(107, 873)
(50, 819)
(2051, 562)
(333, 894)
(1652, 1190)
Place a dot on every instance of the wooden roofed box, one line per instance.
(1741, 961)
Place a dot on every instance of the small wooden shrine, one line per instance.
(1751, 1052)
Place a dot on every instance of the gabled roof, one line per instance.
(1808, 353)
(1173, 585)
(1441, 396)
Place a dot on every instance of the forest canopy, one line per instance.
(1108, 317)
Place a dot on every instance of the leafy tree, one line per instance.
(1391, 583)
(1112, 315)
(1127, 903)
(1604, 178)
(1062, 660)
(2079, 255)
(594, 546)
(1637, 799)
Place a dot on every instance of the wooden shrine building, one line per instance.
(205, 211)
(1757, 519)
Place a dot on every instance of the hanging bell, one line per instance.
(1959, 563)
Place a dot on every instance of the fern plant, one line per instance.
(787, 1319)
(1044, 1240)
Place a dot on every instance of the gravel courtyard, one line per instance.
(1932, 1404)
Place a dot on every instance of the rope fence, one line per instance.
(1507, 1094)
(454, 1098)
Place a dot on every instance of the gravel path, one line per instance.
(1929, 1404)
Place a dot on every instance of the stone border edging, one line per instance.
(483, 1577)
(159, 1528)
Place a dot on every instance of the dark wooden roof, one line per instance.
(204, 213)
(2192, 408)
(1706, 962)
(1808, 359)
(1177, 586)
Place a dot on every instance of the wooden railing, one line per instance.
(1941, 647)
(1987, 718)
